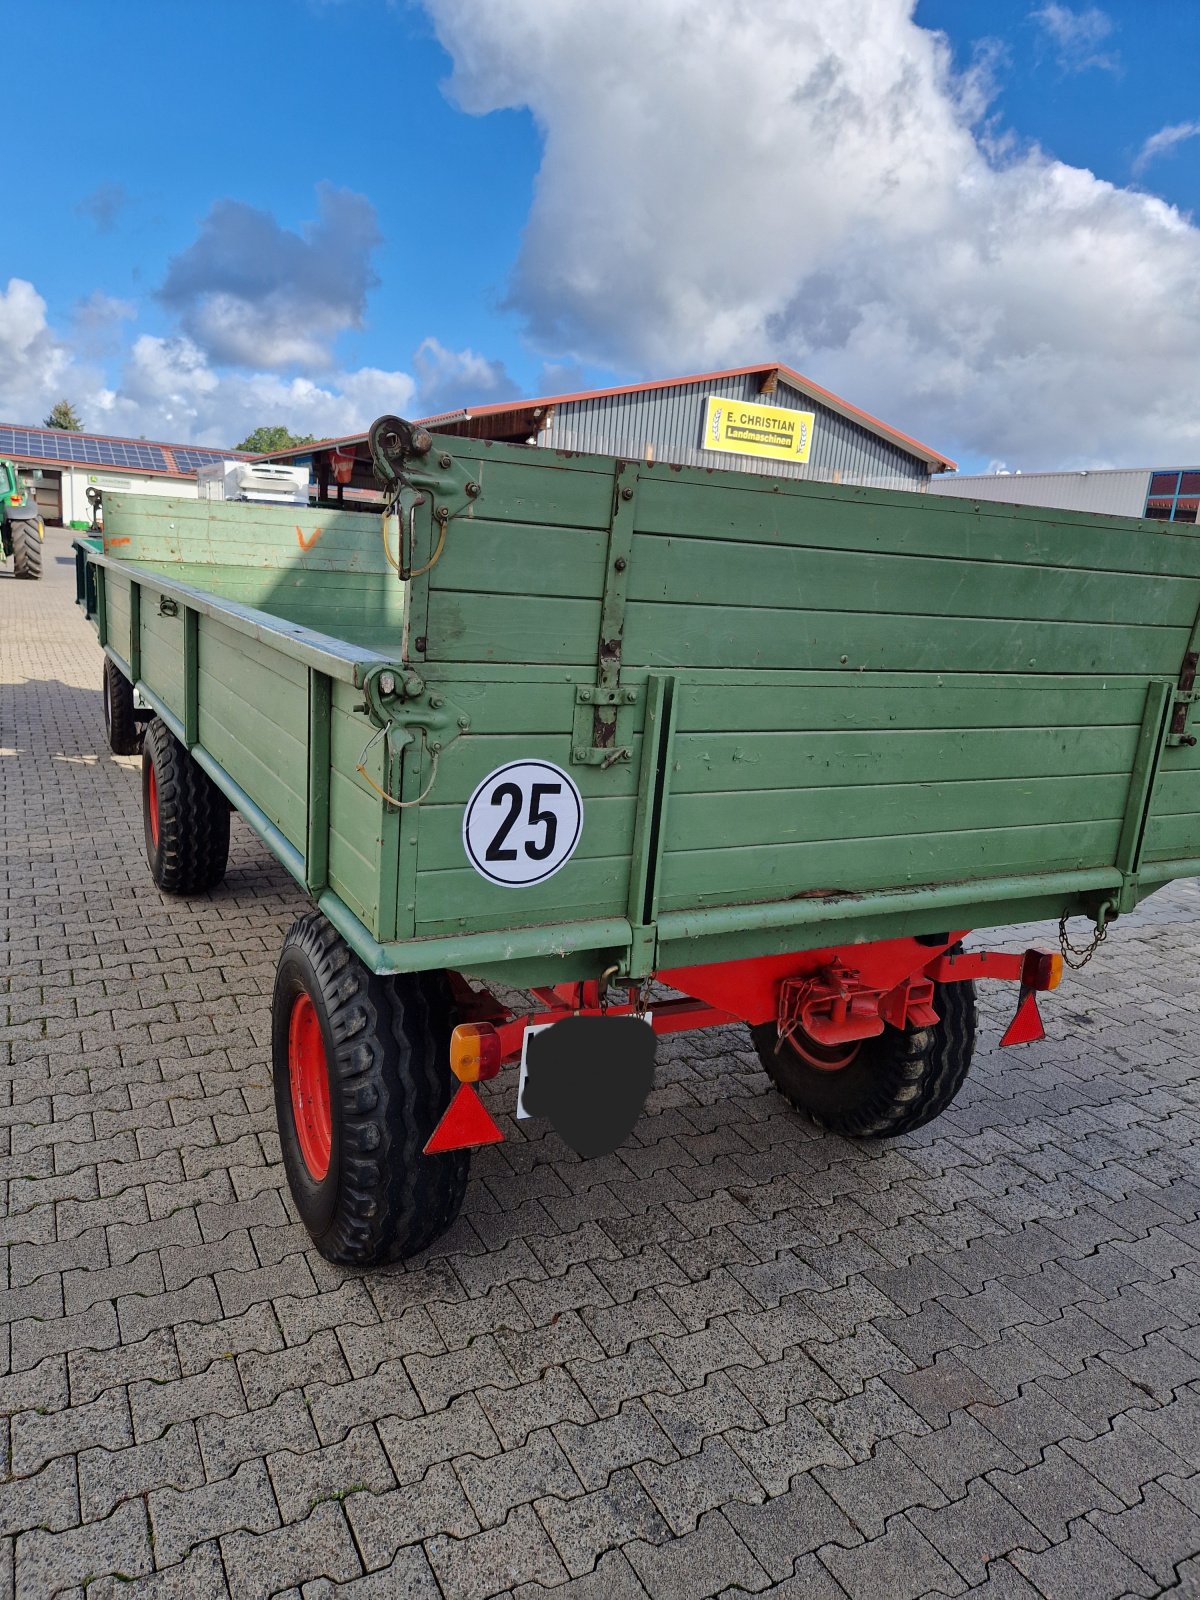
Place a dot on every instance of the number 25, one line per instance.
(510, 794)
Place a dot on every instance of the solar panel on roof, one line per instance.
(58, 445)
(189, 457)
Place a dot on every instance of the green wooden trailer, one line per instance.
(580, 726)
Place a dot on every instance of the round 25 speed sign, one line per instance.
(522, 823)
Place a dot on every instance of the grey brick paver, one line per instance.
(1084, 1567)
(901, 1564)
(46, 1562)
(702, 1563)
(382, 1523)
(302, 1479)
(583, 1527)
(260, 1565)
(978, 1338)
(184, 1517)
(107, 1477)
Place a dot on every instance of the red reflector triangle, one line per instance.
(465, 1123)
(1026, 1027)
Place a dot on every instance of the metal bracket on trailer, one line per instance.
(402, 702)
(597, 740)
(410, 457)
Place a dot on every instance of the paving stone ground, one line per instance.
(738, 1357)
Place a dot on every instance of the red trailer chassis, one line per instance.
(833, 998)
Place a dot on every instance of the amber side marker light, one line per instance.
(1041, 970)
(475, 1052)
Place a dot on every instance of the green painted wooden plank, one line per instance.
(162, 653)
(117, 610)
(607, 830)
(704, 763)
(829, 516)
(231, 654)
(708, 877)
(1171, 836)
(262, 743)
(355, 812)
(815, 702)
(478, 628)
(492, 558)
(1178, 790)
(275, 730)
(467, 761)
(518, 488)
(780, 816)
(341, 660)
(706, 571)
(744, 636)
(462, 900)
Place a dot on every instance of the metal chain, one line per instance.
(1078, 959)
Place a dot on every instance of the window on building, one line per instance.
(1174, 496)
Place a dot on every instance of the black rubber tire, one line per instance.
(26, 548)
(121, 727)
(897, 1082)
(387, 1047)
(192, 849)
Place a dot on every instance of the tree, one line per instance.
(276, 438)
(63, 415)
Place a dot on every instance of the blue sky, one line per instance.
(972, 218)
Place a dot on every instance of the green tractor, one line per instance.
(21, 530)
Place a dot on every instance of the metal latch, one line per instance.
(589, 699)
(403, 702)
(1185, 695)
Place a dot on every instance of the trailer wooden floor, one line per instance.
(738, 1354)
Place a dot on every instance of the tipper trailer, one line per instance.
(667, 748)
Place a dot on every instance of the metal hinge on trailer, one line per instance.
(600, 734)
(1185, 697)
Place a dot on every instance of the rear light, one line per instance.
(16, 499)
(1041, 970)
(475, 1052)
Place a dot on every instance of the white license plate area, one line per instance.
(539, 1027)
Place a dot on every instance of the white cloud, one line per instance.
(252, 293)
(33, 363)
(1164, 141)
(449, 379)
(169, 391)
(811, 184)
(1078, 36)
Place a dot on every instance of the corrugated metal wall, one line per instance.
(667, 423)
(1116, 492)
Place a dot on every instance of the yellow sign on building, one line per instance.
(746, 430)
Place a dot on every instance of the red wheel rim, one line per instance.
(825, 1057)
(152, 804)
(309, 1076)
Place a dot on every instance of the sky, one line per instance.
(975, 218)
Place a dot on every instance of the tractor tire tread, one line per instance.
(122, 728)
(391, 1075)
(193, 817)
(26, 548)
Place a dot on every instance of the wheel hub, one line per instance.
(308, 1074)
(152, 803)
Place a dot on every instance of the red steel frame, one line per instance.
(834, 997)
(749, 991)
